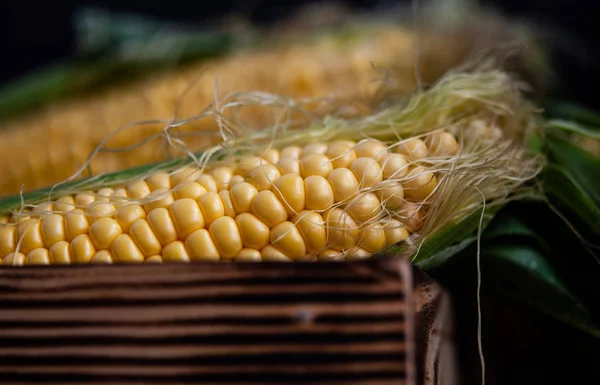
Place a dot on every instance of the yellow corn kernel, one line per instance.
(42, 210)
(100, 209)
(343, 183)
(271, 254)
(331, 255)
(187, 173)
(175, 252)
(236, 179)
(341, 154)
(211, 206)
(128, 214)
(286, 238)
(162, 225)
(394, 232)
(53, 229)
(319, 194)
(393, 166)
(315, 164)
(254, 233)
(189, 189)
(248, 163)
(145, 238)
(370, 149)
(314, 148)
(312, 228)
(38, 256)
(391, 195)
(268, 208)
(356, 254)
(187, 217)
(372, 238)
(201, 246)
(84, 199)
(342, 231)
(410, 215)
(13, 259)
(159, 199)
(159, 181)
(364, 207)
(82, 249)
(63, 204)
(138, 189)
(442, 144)
(30, 235)
(121, 192)
(226, 234)
(60, 253)
(242, 195)
(288, 165)
(104, 194)
(76, 223)
(208, 182)
(248, 255)
(102, 257)
(291, 152)
(420, 183)
(154, 259)
(271, 156)
(8, 240)
(367, 171)
(222, 177)
(228, 208)
(103, 232)
(413, 149)
(124, 250)
(289, 189)
(263, 176)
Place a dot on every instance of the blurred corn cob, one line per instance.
(50, 144)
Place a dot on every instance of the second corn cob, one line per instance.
(47, 146)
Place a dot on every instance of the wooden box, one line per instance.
(373, 322)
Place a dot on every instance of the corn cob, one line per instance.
(63, 135)
(299, 198)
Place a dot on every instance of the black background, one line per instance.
(522, 347)
(36, 33)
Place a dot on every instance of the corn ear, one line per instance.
(63, 135)
(360, 186)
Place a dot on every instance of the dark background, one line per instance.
(35, 33)
(522, 346)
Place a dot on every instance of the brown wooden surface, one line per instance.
(311, 323)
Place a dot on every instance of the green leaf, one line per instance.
(108, 179)
(573, 112)
(522, 272)
(574, 128)
(528, 255)
(572, 178)
(451, 239)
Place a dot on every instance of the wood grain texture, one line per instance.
(307, 323)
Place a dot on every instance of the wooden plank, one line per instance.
(304, 323)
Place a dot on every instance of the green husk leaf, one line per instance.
(572, 179)
(573, 112)
(525, 257)
(573, 127)
(522, 272)
(452, 239)
(108, 179)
